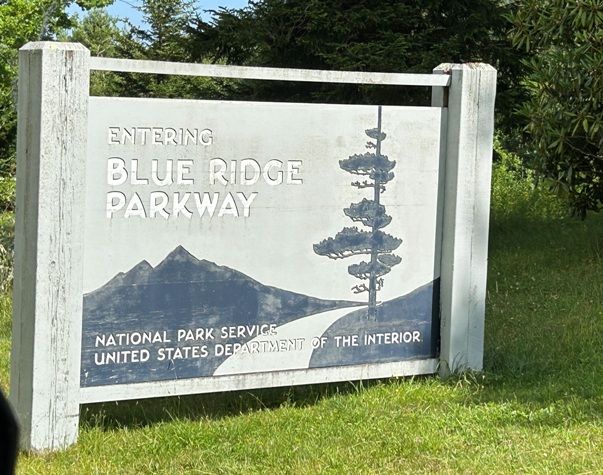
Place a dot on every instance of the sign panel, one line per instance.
(227, 238)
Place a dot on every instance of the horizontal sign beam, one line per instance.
(270, 74)
(187, 386)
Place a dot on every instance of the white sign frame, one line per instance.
(47, 305)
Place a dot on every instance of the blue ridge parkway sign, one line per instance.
(208, 224)
(169, 247)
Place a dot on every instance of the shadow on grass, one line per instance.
(145, 412)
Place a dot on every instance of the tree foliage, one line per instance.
(165, 36)
(364, 35)
(22, 21)
(565, 108)
(98, 31)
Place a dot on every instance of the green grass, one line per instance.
(5, 332)
(536, 409)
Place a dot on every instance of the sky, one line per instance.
(126, 8)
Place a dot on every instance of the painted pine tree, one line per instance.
(376, 169)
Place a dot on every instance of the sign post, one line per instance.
(470, 102)
(47, 302)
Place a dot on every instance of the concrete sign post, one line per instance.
(170, 247)
(47, 302)
(466, 213)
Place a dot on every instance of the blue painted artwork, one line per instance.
(186, 317)
(402, 329)
(376, 169)
(182, 303)
(206, 257)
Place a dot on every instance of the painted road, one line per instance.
(295, 336)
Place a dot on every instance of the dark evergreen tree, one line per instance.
(376, 170)
(99, 32)
(165, 36)
(410, 36)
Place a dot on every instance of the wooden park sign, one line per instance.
(170, 247)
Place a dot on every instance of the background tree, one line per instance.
(364, 35)
(165, 36)
(98, 31)
(22, 21)
(565, 108)
(376, 169)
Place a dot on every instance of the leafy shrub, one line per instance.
(516, 192)
(565, 81)
(7, 226)
(7, 194)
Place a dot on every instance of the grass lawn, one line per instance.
(537, 408)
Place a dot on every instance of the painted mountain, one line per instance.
(132, 325)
